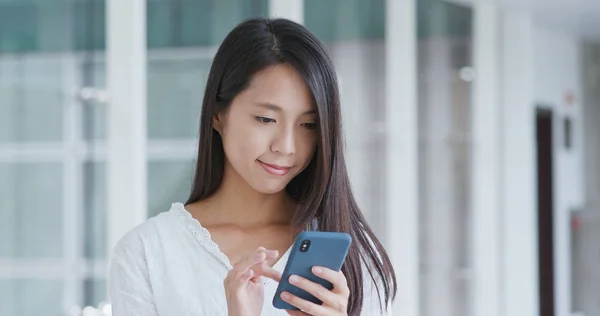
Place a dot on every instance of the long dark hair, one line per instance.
(322, 190)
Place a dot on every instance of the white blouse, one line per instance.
(169, 266)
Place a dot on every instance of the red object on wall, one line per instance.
(575, 222)
(569, 98)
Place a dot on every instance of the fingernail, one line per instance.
(294, 279)
(273, 253)
(317, 270)
(285, 296)
(259, 256)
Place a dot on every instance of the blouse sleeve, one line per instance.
(129, 283)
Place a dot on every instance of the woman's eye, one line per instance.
(264, 120)
(310, 125)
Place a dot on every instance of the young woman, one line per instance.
(270, 164)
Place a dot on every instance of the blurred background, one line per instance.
(472, 131)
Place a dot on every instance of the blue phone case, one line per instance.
(327, 249)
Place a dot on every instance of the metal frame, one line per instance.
(72, 191)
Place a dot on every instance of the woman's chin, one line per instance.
(270, 187)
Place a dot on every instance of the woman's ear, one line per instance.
(217, 122)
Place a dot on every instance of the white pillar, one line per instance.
(402, 242)
(289, 9)
(486, 165)
(437, 201)
(126, 148)
(518, 176)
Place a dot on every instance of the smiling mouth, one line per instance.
(274, 169)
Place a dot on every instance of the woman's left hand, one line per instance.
(335, 302)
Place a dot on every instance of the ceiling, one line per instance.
(578, 17)
(581, 17)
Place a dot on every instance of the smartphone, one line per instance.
(324, 249)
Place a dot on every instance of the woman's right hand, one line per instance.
(244, 287)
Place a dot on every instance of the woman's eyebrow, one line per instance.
(277, 108)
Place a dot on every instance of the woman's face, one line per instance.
(270, 130)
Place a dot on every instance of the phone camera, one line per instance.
(304, 246)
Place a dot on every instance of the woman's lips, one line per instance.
(274, 169)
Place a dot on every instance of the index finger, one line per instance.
(267, 271)
(336, 278)
(247, 262)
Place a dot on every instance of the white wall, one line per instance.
(557, 61)
(556, 73)
(539, 67)
(586, 239)
(518, 217)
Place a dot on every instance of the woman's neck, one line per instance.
(236, 203)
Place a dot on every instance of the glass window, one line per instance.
(89, 20)
(176, 75)
(31, 204)
(41, 80)
(94, 292)
(345, 20)
(168, 182)
(19, 23)
(205, 23)
(188, 33)
(31, 297)
(40, 160)
(31, 100)
(444, 116)
(94, 191)
(35, 26)
(94, 111)
(175, 91)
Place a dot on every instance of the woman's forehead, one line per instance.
(279, 88)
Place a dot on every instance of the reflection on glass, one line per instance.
(444, 111)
